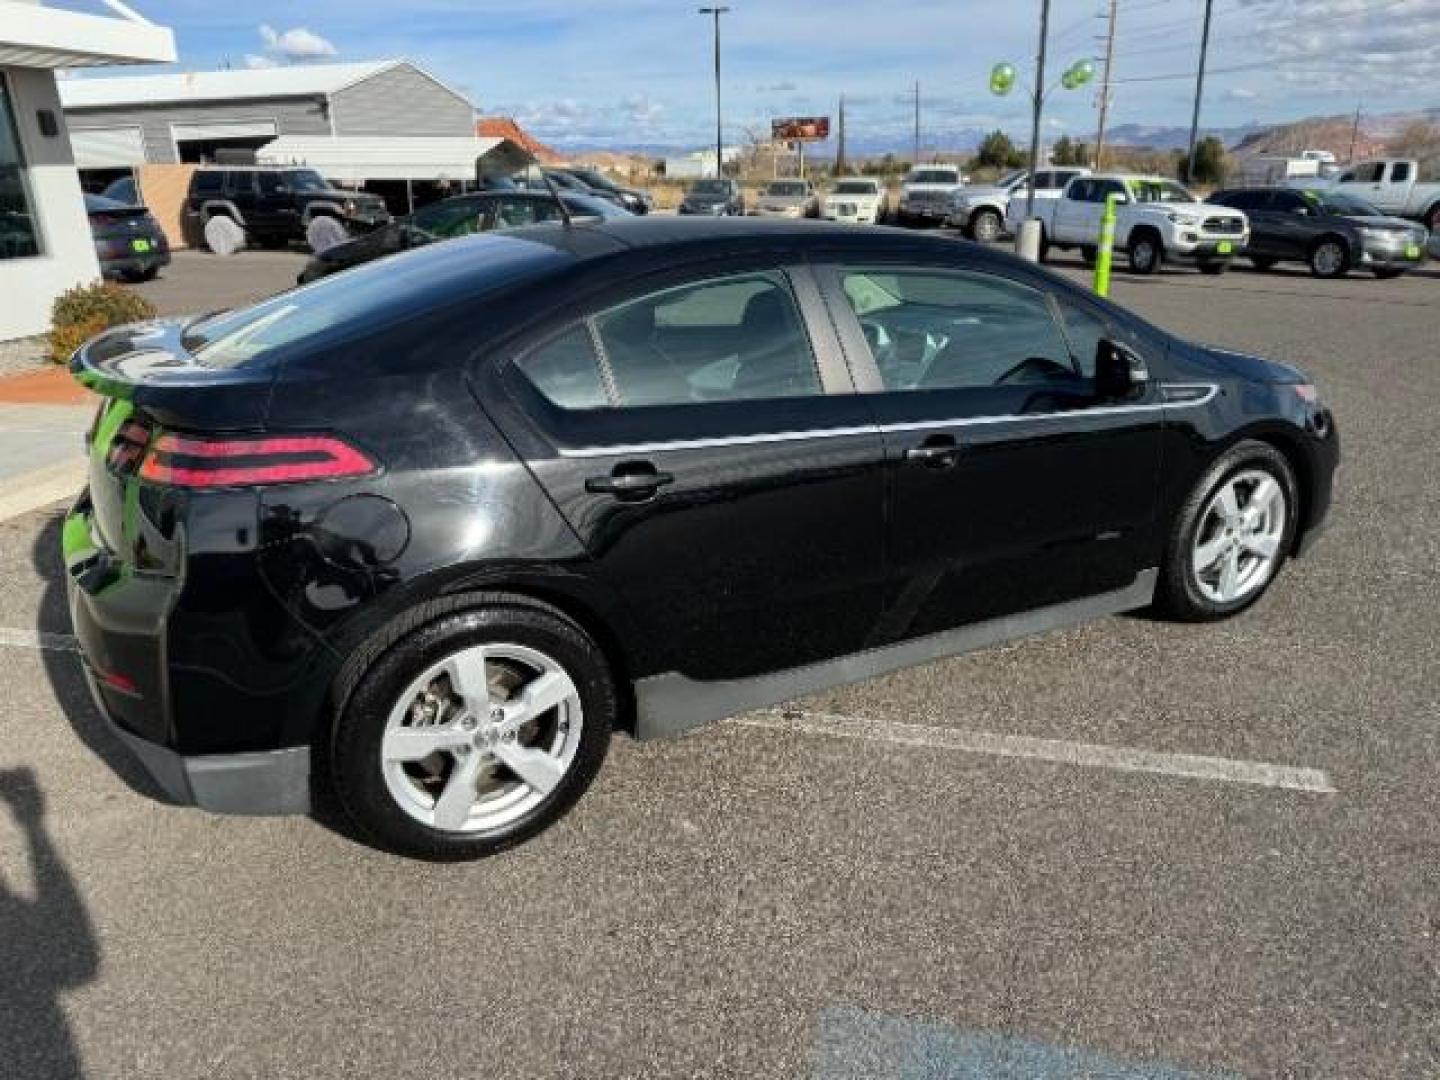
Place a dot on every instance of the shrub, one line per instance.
(87, 310)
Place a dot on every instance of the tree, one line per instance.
(1068, 151)
(1210, 163)
(996, 151)
(1419, 139)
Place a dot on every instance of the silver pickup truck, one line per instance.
(1394, 185)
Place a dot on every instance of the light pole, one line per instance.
(716, 12)
(1003, 78)
(1199, 93)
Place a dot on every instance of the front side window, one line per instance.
(1364, 174)
(1085, 330)
(240, 183)
(1081, 191)
(728, 339)
(19, 229)
(1400, 172)
(306, 180)
(944, 330)
(443, 220)
(271, 183)
(209, 183)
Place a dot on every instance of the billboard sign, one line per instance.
(800, 129)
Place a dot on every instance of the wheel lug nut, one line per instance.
(497, 714)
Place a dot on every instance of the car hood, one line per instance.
(1385, 224)
(984, 191)
(1248, 366)
(859, 196)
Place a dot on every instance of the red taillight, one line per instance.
(116, 681)
(184, 461)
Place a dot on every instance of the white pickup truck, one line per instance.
(925, 193)
(1394, 186)
(1156, 221)
(979, 210)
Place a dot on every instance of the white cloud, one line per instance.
(294, 45)
(640, 111)
(256, 62)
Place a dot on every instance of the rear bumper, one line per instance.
(134, 264)
(273, 782)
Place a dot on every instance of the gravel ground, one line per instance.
(22, 355)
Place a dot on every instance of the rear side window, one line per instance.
(209, 183)
(1400, 172)
(938, 330)
(1364, 174)
(270, 183)
(1081, 191)
(728, 339)
(566, 371)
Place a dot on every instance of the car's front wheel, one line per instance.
(986, 226)
(474, 732)
(1146, 253)
(1231, 536)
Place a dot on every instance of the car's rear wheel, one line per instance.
(1330, 258)
(1146, 253)
(1232, 535)
(986, 226)
(474, 732)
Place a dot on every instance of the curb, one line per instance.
(43, 487)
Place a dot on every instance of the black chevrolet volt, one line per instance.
(425, 533)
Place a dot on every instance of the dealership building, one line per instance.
(45, 241)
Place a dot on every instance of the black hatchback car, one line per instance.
(433, 529)
(1330, 232)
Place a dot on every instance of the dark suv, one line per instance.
(274, 205)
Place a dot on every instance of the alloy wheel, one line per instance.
(481, 738)
(1145, 256)
(987, 227)
(1329, 259)
(1237, 543)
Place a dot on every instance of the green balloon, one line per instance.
(1069, 80)
(1080, 73)
(1002, 79)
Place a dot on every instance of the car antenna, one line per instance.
(555, 194)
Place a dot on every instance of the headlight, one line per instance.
(1187, 220)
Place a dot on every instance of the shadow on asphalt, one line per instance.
(67, 678)
(47, 946)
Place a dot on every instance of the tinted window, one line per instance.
(936, 330)
(453, 217)
(730, 339)
(1246, 200)
(515, 213)
(1285, 202)
(240, 183)
(209, 183)
(934, 176)
(1364, 174)
(123, 191)
(857, 187)
(565, 371)
(1400, 172)
(271, 183)
(306, 180)
(1103, 189)
(19, 235)
(1081, 190)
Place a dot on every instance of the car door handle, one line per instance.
(936, 452)
(640, 481)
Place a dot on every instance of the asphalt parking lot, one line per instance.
(1131, 850)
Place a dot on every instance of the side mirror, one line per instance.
(1120, 373)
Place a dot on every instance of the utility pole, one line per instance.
(1038, 99)
(916, 161)
(840, 146)
(1354, 136)
(1199, 92)
(1106, 83)
(719, 140)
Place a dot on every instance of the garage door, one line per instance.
(104, 148)
(224, 129)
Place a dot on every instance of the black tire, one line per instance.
(1214, 269)
(1089, 253)
(1044, 251)
(355, 742)
(1329, 257)
(1178, 595)
(1263, 262)
(985, 226)
(1147, 253)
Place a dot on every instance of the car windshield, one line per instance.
(786, 187)
(306, 180)
(855, 187)
(1340, 205)
(589, 206)
(933, 176)
(1160, 191)
(122, 191)
(711, 187)
(100, 202)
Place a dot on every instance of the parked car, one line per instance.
(128, 241)
(859, 200)
(788, 199)
(483, 211)
(925, 193)
(1157, 221)
(981, 212)
(1329, 232)
(632, 199)
(446, 522)
(564, 180)
(275, 206)
(1395, 186)
(123, 189)
(714, 198)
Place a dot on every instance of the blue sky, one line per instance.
(630, 72)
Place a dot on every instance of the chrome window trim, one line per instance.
(1210, 391)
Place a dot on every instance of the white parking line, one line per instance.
(1192, 766)
(31, 639)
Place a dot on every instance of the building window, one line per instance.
(19, 231)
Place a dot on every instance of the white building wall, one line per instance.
(29, 286)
